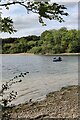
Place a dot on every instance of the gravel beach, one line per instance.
(59, 104)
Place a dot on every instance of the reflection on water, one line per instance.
(44, 74)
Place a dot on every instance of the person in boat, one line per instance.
(59, 58)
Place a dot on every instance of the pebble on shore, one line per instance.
(58, 104)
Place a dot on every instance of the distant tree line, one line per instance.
(50, 42)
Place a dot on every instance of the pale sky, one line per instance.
(27, 24)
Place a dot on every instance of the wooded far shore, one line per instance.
(48, 43)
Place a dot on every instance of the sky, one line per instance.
(27, 24)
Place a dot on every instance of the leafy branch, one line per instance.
(43, 9)
(7, 25)
(12, 95)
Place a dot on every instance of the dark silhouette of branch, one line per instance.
(5, 4)
(12, 95)
(43, 9)
(20, 3)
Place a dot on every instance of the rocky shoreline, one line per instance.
(58, 104)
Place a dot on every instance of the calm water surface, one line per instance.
(44, 74)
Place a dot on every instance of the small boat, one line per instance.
(57, 59)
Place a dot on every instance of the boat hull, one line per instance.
(57, 59)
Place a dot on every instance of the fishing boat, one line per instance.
(57, 59)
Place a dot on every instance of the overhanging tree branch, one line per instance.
(5, 4)
(43, 9)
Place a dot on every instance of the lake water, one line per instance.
(44, 75)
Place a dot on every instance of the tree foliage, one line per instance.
(7, 25)
(46, 10)
(50, 42)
